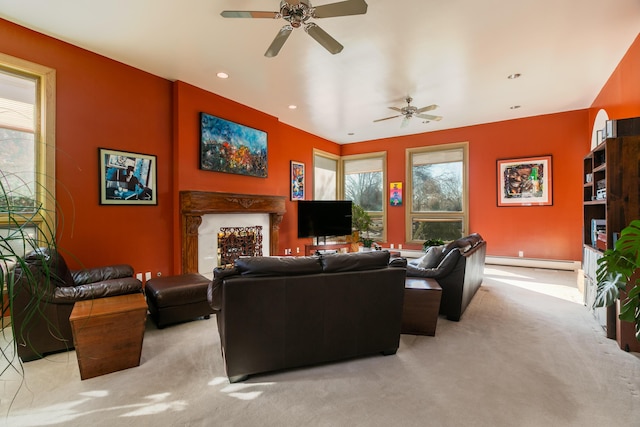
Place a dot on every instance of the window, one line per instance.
(364, 183)
(437, 193)
(27, 142)
(325, 176)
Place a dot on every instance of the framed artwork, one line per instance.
(297, 180)
(232, 148)
(395, 194)
(525, 182)
(127, 178)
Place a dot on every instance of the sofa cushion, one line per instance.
(432, 257)
(355, 261)
(277, 266)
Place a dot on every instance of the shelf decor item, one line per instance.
(231, 147)
(127, 178)
(525, 181)
(297, 180)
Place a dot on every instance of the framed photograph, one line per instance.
(297, 180)
(395, 194)
(525, 182)
(127, 178)
(232, 148)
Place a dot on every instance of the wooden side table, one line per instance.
(108, 333)
(421, 306)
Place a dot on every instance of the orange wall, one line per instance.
(103, 103)
(620, 96)
(549, 232)
(284, 143)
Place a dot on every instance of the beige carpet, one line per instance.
(526, 353)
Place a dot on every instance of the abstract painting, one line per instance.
(231, 147)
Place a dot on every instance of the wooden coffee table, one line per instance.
(421, 306)
(108, 333)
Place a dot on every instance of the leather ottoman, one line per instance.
(176, 299)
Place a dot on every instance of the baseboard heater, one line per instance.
(534, 263)
(551, 264)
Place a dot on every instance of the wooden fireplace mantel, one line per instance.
(194, 204)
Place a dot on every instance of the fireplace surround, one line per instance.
(195, 204)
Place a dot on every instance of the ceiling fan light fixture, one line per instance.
(297, 13)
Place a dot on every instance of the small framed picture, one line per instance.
(297, 180)
(395, 193)
(525, 182)
(127, 178)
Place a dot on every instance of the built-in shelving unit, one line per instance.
(611, 200)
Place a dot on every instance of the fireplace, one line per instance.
(234, 242)
(195, 204)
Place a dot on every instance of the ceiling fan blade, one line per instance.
(322, 37)
(428, 108)
(248, 14)
(405, 122)
(387, 118)
(429, 117)
(399, 110)
(343, 8)
(278, 42)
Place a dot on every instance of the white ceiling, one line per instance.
(453, 53)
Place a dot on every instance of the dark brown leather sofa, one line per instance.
(459, 273)
(43, 297)
(283, 312)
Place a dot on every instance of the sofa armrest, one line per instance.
(106, 288)
(398, 262)
(447, 265)
(214, 291)
(100, 274)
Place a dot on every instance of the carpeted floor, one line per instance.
(526, 353)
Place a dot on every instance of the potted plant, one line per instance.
(431, 242)
(618, 276)
(361, 222)
(27, 227)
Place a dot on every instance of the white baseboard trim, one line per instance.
(534, 263)
(513, 261)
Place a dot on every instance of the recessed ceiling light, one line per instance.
(292, 107)
(222, 75)
(513, 76)
(515, 107)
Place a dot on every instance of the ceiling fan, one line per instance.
(297, 13)
(410, 111)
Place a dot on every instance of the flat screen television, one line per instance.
(321, 218)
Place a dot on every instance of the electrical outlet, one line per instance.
(297, 250)
(520, 254)
(139, 276)
(147, 276)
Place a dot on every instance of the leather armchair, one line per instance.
(44, 293)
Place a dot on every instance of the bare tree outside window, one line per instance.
(437, 196)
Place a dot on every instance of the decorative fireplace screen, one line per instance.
(234, 242)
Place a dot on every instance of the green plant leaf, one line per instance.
(608, 290)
